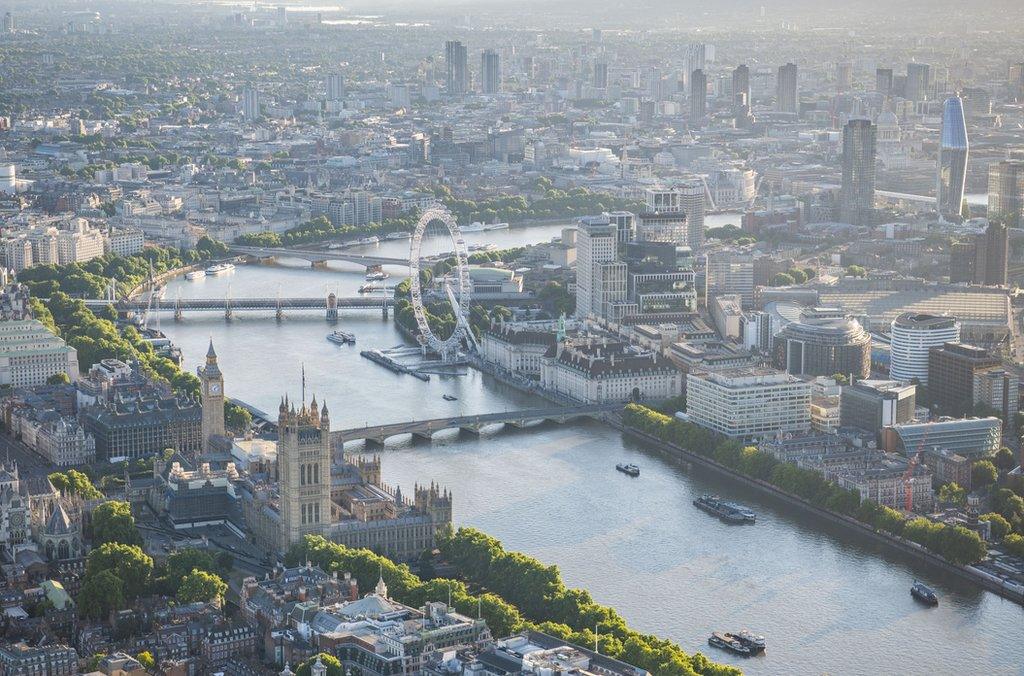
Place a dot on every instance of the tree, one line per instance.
(330, 661)
(184, 561)
(113, 522)
(75, 483)
(983, 473)
(1014, 544)
(58, 379)
(130, 564)
(952, 493)
(855, 271)
(839, 378)
(201, 586)
(999, 526)
(100, 594)
(146, 659)
(783, 279)
(236, 418)
(1004, 459)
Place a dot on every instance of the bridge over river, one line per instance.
(316, 256)
(330, 304)
(473, 424)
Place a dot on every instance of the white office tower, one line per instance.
(8, 179)
(913, 335)
(674, 214)
(596, 246)
(692, 195)
(663, 220)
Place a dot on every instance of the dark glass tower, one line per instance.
(857, 196)
(786, 90)
(952, 170)
(457, 61)
(490, 72)
(698, 97)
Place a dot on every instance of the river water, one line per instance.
(828, 601)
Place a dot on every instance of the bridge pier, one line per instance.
(227, 312)
(375, 442)
(470, 429)
(384, 311)
(318, 264)
(279, 314)
(423, 435)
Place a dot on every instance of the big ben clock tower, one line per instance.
(212, 398)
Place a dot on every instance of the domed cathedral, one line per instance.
(303, 470)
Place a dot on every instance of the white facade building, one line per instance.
(913, 335)
(749, 402)
(596, 245)
(125, 242)
(29, 354)
(599, 373)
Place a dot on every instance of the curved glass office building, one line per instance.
(822, 343)
(953, 147)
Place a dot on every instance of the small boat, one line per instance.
(341, 338)
(219, 269)
(496, 226)
(475, 226)
(195, 274)
(372, 286)
(448, 397)
(398, 235)
(755, 642)
(730, 643)
(372, 239)
(725, 511)
(924, 593)
(377, 276)
(630, 469)
(746, 512)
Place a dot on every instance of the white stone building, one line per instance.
(29, 354)
(749, 402)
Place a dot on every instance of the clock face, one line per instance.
(214, 388)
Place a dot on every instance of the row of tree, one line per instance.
(522, 593)
(320, 229)
(117, 571)
(956, 544)
(553, 204)
(96, 336)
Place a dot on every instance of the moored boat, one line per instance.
(728, 642)
(755, 642)
(341, 337)
(219, 269)
(377, 276)
(195, 274)
(628, 468)
(714, 505)
(924, 593)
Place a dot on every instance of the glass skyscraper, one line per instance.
(952, 170)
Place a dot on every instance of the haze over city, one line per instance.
(651, 338)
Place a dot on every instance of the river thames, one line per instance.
(827, 600)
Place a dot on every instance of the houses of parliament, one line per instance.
(306, 488)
